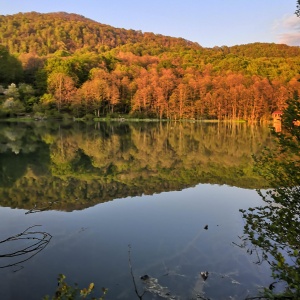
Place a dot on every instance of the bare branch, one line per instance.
(40, 241)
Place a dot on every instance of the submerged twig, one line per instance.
(265, 298)
(132, 275)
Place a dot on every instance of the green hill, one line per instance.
(46, 33)
(76, 66)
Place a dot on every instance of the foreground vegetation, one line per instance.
(275, 227)
(66, 291)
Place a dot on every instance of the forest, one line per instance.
(60, 65)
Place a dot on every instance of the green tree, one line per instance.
(12, 92)
(298, 9)
(275, 227)
(13, 107)
(10, 67)
(27, 95)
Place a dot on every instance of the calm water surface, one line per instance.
(96, 189)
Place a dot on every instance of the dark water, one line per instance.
(74, 197)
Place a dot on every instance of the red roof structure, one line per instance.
(277, 115)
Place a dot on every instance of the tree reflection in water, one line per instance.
(78, 166)
(26, 245)
(275, 227)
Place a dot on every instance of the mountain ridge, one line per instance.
(45, 33)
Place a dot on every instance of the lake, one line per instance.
(92, 200)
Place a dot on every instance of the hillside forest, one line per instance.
(60, 64)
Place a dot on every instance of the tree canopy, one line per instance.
(85, 68)
(10, 67)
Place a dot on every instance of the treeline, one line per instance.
(79, 67)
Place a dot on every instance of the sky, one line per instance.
(207, 22)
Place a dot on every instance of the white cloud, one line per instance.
(292, 39)
(287, 30)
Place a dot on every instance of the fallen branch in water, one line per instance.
(40, 238)
(36, 209)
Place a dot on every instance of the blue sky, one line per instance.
(208, 22)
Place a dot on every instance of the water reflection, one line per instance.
(78, 166)
(168, 240)
(66, 176)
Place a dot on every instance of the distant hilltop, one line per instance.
(46, 33)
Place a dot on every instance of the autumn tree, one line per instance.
(31, 63)
(62, 87)
(142, 97)
(95, 91)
